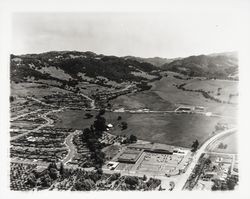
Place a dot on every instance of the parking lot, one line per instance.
(159, 164)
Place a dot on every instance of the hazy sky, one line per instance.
(169, 34)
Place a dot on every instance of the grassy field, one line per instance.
(171, 128)
(74, 119)
(147, 100)
(38, 90)
(227, 88)
(230, 141)
(165, 96)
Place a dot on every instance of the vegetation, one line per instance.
(111, 67)
(195, 145)
(124, 125)
(229, 184)
(204, 93)
(91, 136)
(216, 66)
(88, 115)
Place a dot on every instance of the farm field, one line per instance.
(227, 87)
(168, 128)
(165, 96)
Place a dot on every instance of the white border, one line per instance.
(242, 7)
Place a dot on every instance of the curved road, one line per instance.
(180, 185)
(71, 147)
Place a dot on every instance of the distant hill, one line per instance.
(63, 66)
(220, 65)
(156, 61)
(69, 66)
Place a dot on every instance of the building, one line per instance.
(112, 165)
(130, 156)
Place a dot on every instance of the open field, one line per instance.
(227, 88)
(143, 100)
(165, 96)
(36, 89)
(172, 129)
(168, 128)
(72, 119)
(226, 144)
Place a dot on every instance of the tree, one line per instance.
(109, 106)
(119, 118)
(133, 138)
(208, 161)
(31, 180)
(218, 91)
(52, 165)
(12, 98)
(88, 115)
(132, 181)
(53, 173)
(231, 183)
(124, 125)
(61, 169)
(100, 123)
(144, 178)
(195, 145)
(45, 181)
(102, 112)
(84, 185)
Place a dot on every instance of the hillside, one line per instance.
(65, 66)
(156, 61)
(221, 65)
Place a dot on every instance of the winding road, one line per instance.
(71, 147)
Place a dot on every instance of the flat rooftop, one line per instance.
(153, 147)
(130, 155)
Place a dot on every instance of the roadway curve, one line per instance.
(180, 185)
(71, 147)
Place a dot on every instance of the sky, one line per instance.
(169, 34)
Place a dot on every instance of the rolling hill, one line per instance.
(65, 66)
(221, 65)
(156, 61)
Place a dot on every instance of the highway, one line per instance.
(180, 185)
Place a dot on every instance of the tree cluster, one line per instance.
(195, 145)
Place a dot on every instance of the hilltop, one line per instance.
(221, 65)
(65, 66)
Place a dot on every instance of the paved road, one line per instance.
(179, 186)
(71, 147)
